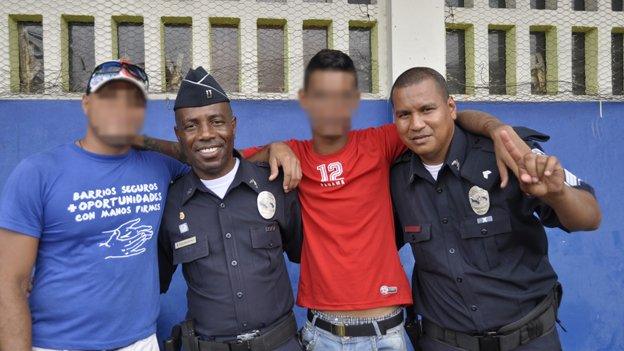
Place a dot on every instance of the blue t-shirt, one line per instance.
(97, 217)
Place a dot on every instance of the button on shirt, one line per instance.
(481, 251)
(232, 255)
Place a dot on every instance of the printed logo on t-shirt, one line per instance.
(331, 174)
(136, 200)
(387, 290)
(128, 239)
(88, 205)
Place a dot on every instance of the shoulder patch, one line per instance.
(479, 142)
(528, 134)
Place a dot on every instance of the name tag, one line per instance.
(412, 229)
(186, 242)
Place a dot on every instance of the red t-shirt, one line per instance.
(349, 259)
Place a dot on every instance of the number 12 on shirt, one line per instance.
(331, 174)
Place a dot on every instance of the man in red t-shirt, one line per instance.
(352, 280)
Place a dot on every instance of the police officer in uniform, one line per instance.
(228, 226)
(482, 279)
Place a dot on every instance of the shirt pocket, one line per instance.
(267, 244)
(485, 243)
(419, 236)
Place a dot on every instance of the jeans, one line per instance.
(314, 338)
(291, 345)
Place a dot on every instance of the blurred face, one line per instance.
(116, 112)
(330, 99)
(206, 135)
(425, 120)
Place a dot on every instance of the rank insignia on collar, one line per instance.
(455, 163)
(253, 182)
(182, 216)
(486, 174)
(479, 200)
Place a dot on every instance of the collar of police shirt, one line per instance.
(246, 173)
(461, 161)
(434, 169)
(465, 163)
(455, 158)
(220, 185)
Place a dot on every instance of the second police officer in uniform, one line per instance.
(482, 279)
(228, 227)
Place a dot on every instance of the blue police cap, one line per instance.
(199, 88)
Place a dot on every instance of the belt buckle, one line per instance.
(340, 329)
(489, 342)
(247, 336)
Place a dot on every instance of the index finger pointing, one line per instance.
(516, 155)
(511, 147)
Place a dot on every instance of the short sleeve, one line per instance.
(176, 168)
(292, 234)
(253, 150)
(392, 144)
(22, 199)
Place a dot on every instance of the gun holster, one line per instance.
(413, 327)
(183, 337)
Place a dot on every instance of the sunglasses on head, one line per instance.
(113, 67)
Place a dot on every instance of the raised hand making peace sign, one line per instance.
(538, 174)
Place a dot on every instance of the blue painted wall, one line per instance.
(590, 265)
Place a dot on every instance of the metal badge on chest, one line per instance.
(266, 204)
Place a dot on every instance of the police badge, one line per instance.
(266, 204)
(479, 200)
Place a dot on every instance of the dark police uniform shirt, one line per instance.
(474, 272)
(232, 258)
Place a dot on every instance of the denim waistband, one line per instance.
(350, 320)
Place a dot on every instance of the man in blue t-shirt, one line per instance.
(86, 216)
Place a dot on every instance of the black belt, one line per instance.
(367, 329)
(275, 336)
(536, 323)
